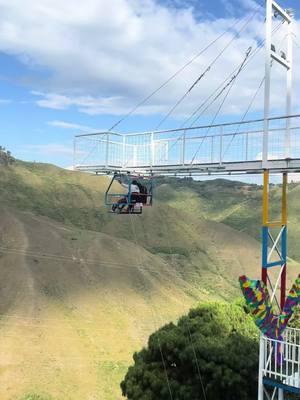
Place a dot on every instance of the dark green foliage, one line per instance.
(225, 341)
(295, 320)
(5, 157)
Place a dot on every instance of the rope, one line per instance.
(197, 363)
(207, 69)
(54, 257)
(165, 369)
(153, 314)
(191, 286)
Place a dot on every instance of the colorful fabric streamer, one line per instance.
(258, 299)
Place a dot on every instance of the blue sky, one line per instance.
(66, 70)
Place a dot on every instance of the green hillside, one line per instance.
(81, 289)
(235, 204)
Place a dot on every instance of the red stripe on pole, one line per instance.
(283, 287)
(264, 275)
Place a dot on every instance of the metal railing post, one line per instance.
(261, 367)
(152, 149)
(123, 152)
(247, 144)
(183, 148)
(221, 147)
(107, 148)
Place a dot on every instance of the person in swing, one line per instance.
(132, 188)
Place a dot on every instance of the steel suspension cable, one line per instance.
(219, 88)
(244, 116)
(207, 69)
(171, 78)
(258, 48)
(229, 85)
(214, 93)
(181, 69)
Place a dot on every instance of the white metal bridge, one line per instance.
(215, 149)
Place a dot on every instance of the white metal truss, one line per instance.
(228, 148)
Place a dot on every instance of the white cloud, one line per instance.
(87, 104)
(90, 105)
(70, 125)
(5, 101)
(52, 100)
(249, 4)
(104, 56)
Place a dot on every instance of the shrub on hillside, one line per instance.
(5, 157)
(214, 349)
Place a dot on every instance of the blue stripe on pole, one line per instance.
(284, 245)
(265, 241)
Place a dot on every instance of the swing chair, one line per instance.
(130, 202)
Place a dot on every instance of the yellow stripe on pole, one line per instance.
(273, 224)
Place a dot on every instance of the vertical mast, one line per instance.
(274, 233)
(268, 43)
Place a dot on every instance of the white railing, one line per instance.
(281, 361)
(216, 144)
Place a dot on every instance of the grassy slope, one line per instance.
(235, 204)
(82, 289)
(75, 305)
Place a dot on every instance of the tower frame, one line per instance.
(274, 233)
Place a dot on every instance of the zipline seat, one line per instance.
(129, 203)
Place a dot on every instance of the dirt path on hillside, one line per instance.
(17, 291)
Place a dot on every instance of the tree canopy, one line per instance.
(212, 353)
(5, 157)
